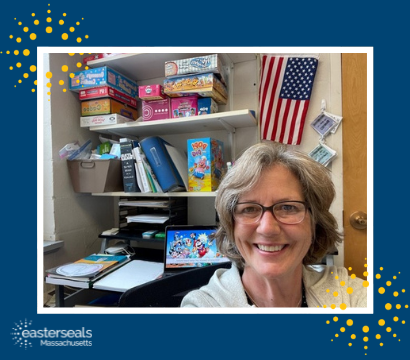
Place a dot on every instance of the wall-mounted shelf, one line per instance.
(229, 120)
(163, 195)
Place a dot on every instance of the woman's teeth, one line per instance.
(271, 248)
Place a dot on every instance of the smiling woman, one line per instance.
(275, 226)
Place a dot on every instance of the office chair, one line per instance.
(169, 291)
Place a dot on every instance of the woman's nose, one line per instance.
(268, 223)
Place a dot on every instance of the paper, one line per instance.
(151, 218)
(136, 272)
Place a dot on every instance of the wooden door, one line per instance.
(354, 107)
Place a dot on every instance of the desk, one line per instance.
(85, 296)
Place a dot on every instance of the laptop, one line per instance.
(190, 246)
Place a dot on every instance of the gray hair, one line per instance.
(317, 188)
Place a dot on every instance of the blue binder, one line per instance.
(161, 163)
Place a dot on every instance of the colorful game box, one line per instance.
(156, 109)
(184, 106)
(197, 83)
(107, 91)
(151, 92)
(103, 76)
(197, 65)
(107, 106)
(110, 119)
(205, 164)
(207, 106)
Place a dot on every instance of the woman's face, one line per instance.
(271, 248)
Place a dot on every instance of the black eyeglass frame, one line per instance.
(270, 209)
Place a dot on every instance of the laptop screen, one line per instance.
(189, 246)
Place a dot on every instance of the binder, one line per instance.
(157, 154)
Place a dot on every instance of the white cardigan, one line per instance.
(225, 289)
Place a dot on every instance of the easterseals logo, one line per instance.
(25, 337)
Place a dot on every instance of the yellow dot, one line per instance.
(353, 276)
(79, 40)
(327, 290)
(25, 29)
(350, 268)
(403, 290)
(72, 75)
(86, 67)
(381, 290)
(64, 14)
(61, 82)
(33, 36)
(336, 277)
(343, 306)
(25, 75)
(49, 11)
(342, 283)
(327, 322)
(378, 276)
(33, 90)
(365, 347)
(33, 68)
(406, 306)
(324, 306)
(365, 329)
(365, 273)
(18, 64)
(49, 29)
(349, 290)
(350, 344)
(353, 336)
(79, 64)
(381, 269)
(77, 81)
(20, 22)
(26, 52)
(381, 322)
(388, 283)
(333, 306)
(388, 306)
(72, 29)
(365, 283)
(398, 306)
(394, 335)
(365, 339)
(49, 75)
(35, 82)
(20, 81)
(11, 67)
(381, 344)
(16, 52)
(7, 52)
(18, 40)
(61, 22)
(49, 85)
(378, 336)
(396, 294)
(403, 322)
(388, 329)
(342, 329)
(48, 93)
(365, 265)
(64, 90)
(349, 322)
(77, 23)
(335, 318)
(49, 19)
(64, 68)
(33, 14)
(64, 36)
(335, 294)
(36, 22)
(71, 54)
(336, 335)
(396, 318)
(394, 277)
(86, 36)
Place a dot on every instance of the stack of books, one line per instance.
(84, 272)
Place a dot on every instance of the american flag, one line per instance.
(284, 94)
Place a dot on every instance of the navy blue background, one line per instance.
(210, 24)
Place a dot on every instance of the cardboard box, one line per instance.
(106, 106)
(103, 76)
(195, 83)
(206, 106)
(197, 65)
(184, 106)
(151, 92)
(95, 176)
(156, 109)
(205, 164)
(107, 91)
(110, 119)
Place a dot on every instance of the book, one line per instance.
(164, 168)
(142, 176)
(156, 187)
(87, 269)
(129, 176)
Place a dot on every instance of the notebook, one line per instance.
(190, 246)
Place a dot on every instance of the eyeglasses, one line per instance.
(286, 212)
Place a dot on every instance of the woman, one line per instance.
(273, 207)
